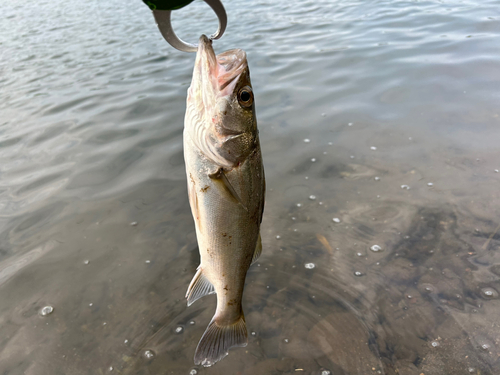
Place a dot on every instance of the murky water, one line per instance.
(379, 125)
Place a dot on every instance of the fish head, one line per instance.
(221, 111)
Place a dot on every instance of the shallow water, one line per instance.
(399, 103)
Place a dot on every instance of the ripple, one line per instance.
(91, 113)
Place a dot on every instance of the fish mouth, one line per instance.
(219, 73)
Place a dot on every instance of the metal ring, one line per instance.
(162, 18)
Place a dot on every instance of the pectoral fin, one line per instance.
(221, 177)
(193, 199)
(258, 250)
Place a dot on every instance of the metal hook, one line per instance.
(162, 18)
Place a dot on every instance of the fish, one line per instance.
(226, 189)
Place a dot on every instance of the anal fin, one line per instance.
(258, 250)
(199, 287)
(217, 340)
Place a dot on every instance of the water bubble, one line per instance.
(405, 187)
(147, 261)
(307, 140)
(376, 248)
(359, 254)
(253, 333)
(313, 160)
(485, 346)
(427, 288)
(377, 178)
(358, 273)
(435, 344)
(286, 340)
(278, 237)
(410, 138)
(193, 372)
(306, 178)
(471, 369)
(336, 220)
(312, 197)
(192, 322)
(110, 368)
(179, 329)
(134, 223)
(350, 124)
(91, 304)
(496, 170)
(309, 266)
(325, 372)
(409, 296)
(46, 310)
(323, 114)
(352, 156)
(430, 184)
(373, 148)
(149, 354)
(489, 293)
(330, 143)
(86, 261)
(125, 342)
(294, 218)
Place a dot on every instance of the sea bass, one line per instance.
(226, 188)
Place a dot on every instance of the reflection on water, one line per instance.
(379, 130)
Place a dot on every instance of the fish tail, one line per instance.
(218, 339)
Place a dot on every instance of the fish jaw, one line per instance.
(217, 74)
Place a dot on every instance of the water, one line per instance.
(94, 218)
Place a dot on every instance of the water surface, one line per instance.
(382, 115)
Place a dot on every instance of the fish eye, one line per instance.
(245, 96)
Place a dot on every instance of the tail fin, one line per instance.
(217, 340)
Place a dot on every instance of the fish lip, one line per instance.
(222, 70)
(206, 62)
(231, 65)
(206, 51)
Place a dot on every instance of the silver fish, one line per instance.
(226, 190)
